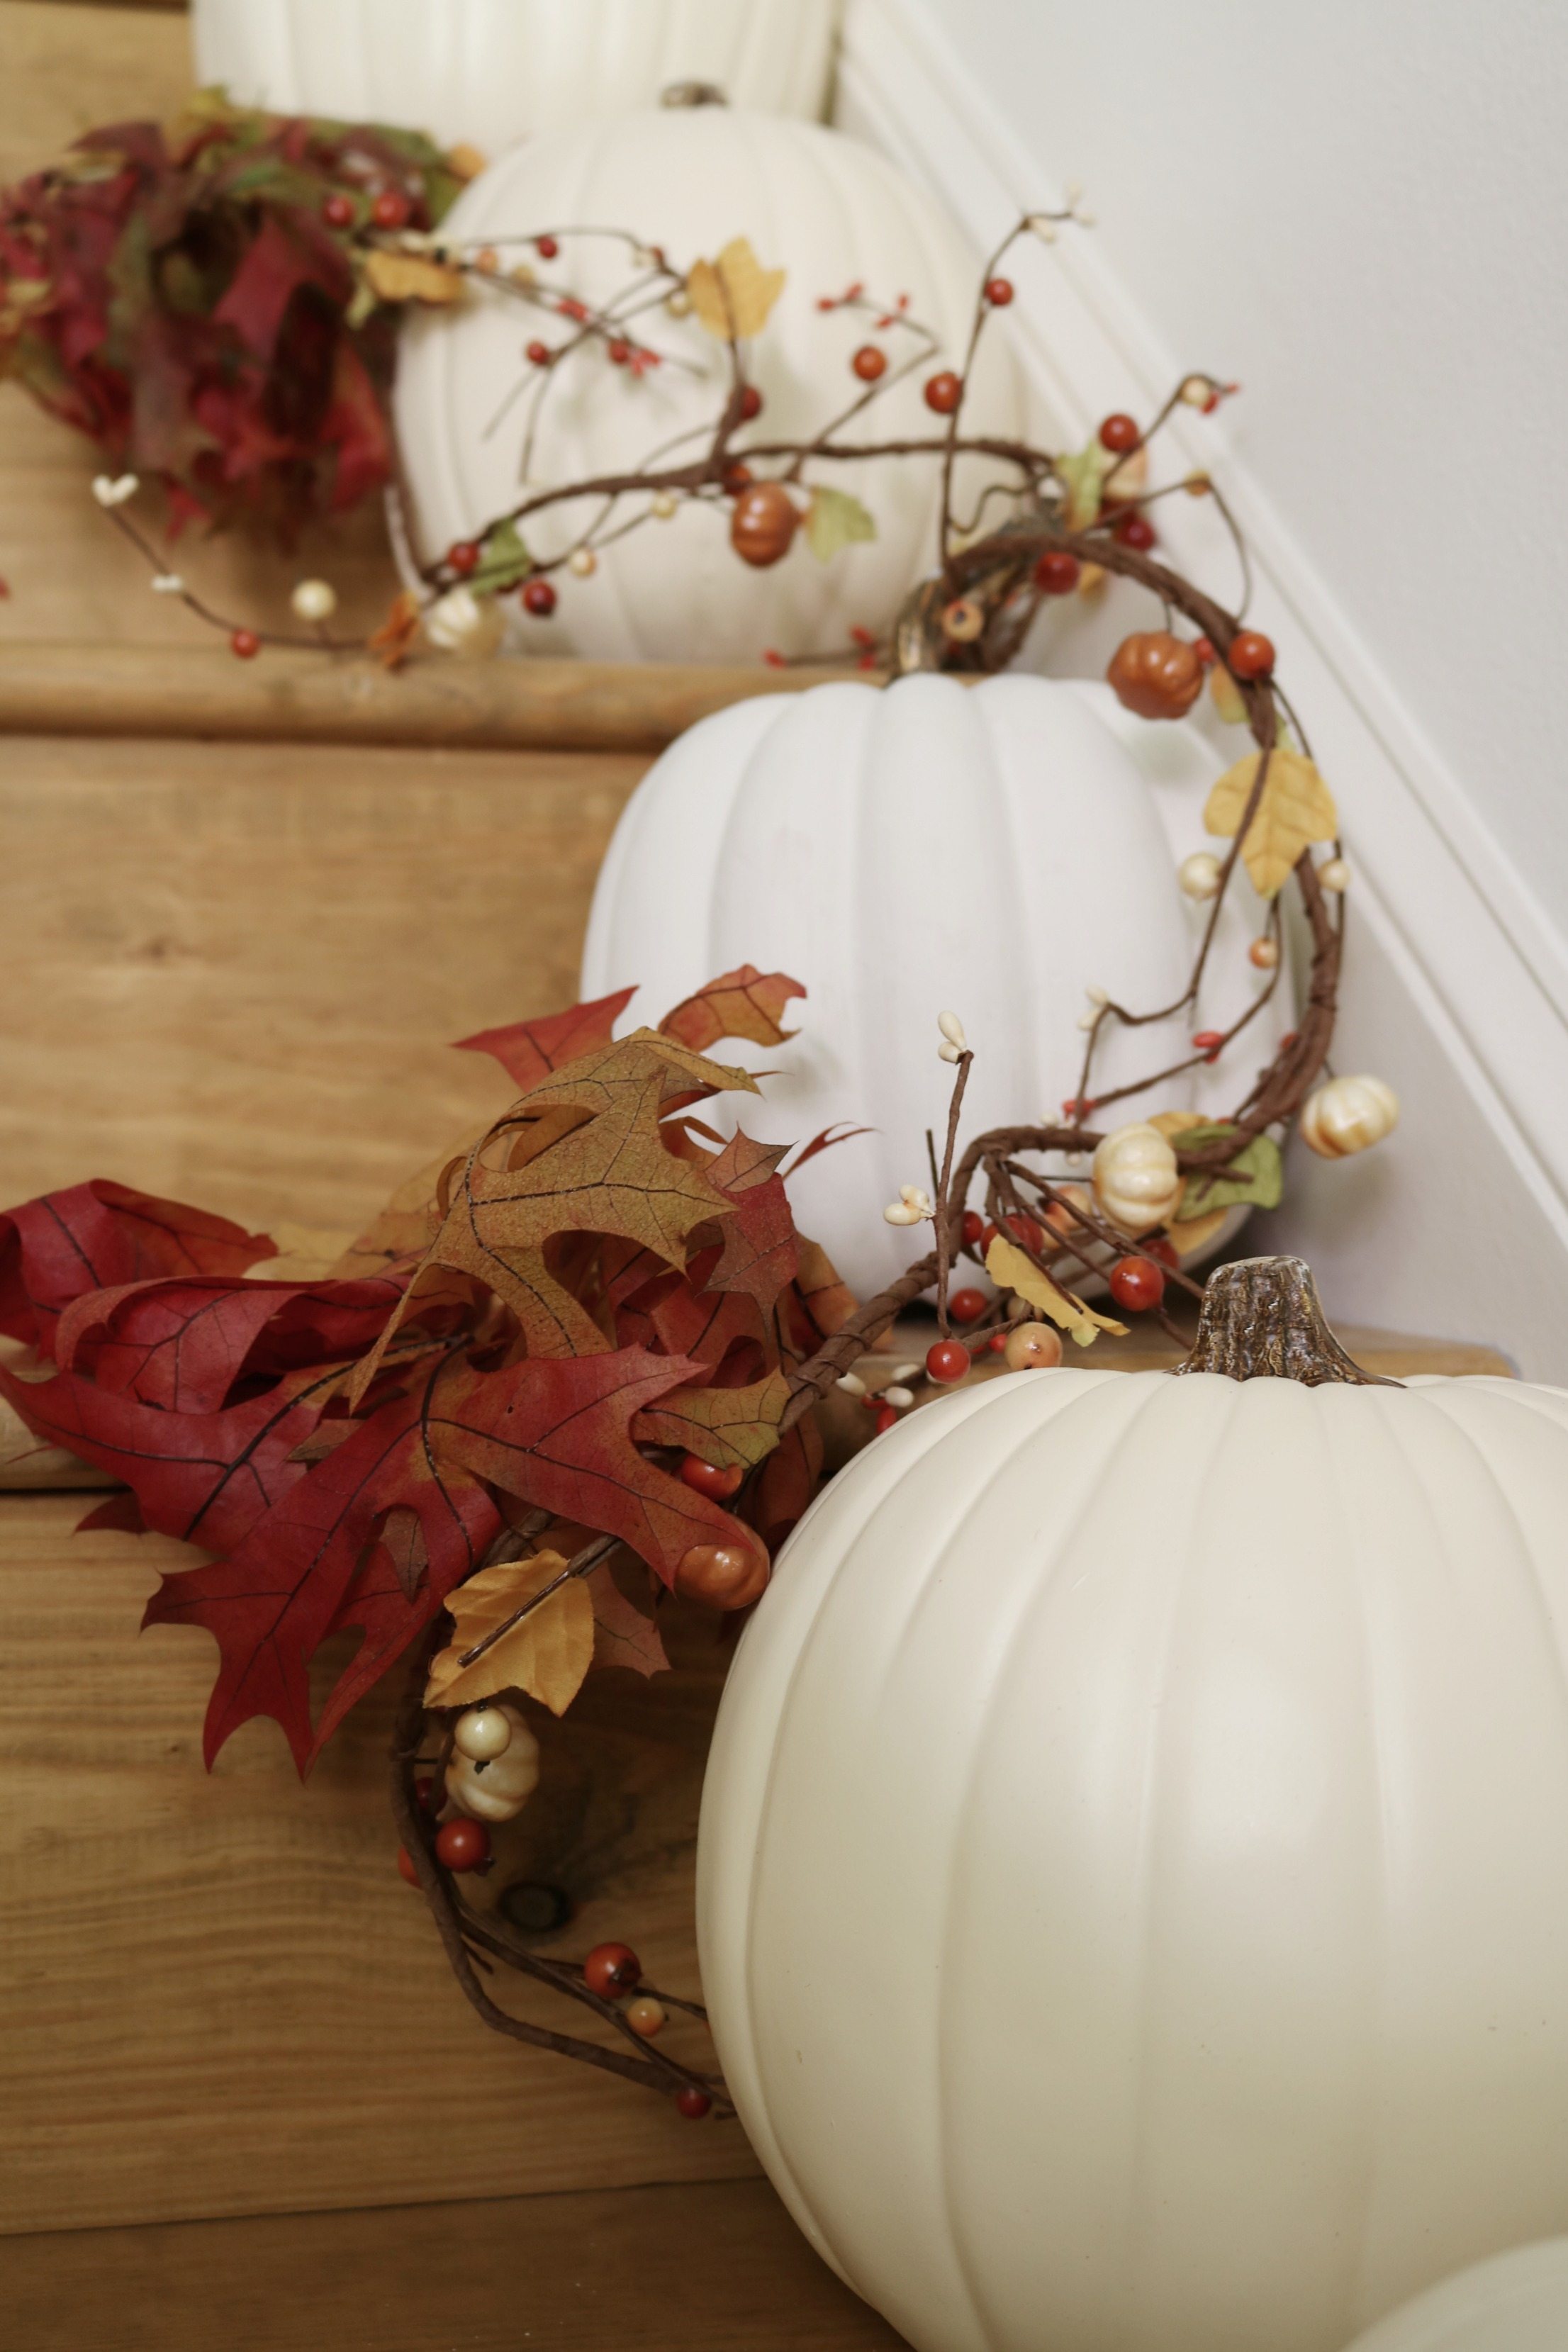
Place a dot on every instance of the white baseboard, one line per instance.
(1457, 975)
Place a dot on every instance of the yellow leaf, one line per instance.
(1010, 1269)
(733, 295)
(547, 1655)
(1297, 807)
(409, 277)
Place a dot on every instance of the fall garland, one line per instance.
(573, 1364)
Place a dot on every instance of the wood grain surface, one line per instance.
(219, 1996)
(714, 2268)
(174, 691)
(236, 973)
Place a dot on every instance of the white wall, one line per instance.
(1361, 212)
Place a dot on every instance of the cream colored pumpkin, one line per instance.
(494, 71)
(495, 1788)
(1134, 1866)
(1136, 1179)
(997, 849)
(1348, 1114)
(822, 207)
(1515, 2302)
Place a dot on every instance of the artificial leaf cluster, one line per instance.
(513, 1362)
(181, 295)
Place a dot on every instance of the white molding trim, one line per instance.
(1435, 889)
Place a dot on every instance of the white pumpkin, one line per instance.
(993, 848)
(1517, 2302)
(1133, 1863)
(496, 1788)
(494, 71)
(824, 208)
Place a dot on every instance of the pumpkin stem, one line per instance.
(1262, 1318)
(693, 93)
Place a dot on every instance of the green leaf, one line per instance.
(834, 520)
(503, 560)
(1083, 473)
(1254, 1178)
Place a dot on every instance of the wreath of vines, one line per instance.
(989, 581)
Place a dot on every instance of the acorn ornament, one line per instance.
(1348, 1114)
(1136, 1179)
(763, 524)
(494, 1787)
(1156, 675)
(463, 623)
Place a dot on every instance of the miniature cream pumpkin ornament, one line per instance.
(488, 1781)
(1136, 1179)
(1348, 1114)
(1134, 1867)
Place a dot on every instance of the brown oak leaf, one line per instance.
(744, 1002)
(547, 1653)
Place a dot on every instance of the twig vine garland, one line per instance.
(423, 1314)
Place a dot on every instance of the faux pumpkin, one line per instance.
(1348, 1114)
(1516, 2302)
(1133, 1865)
(998, 848)
(496, 1788)
(494, 71)
(820, 206)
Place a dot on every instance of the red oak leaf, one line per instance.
(555, 1431)
(529, 1050)
(100, 1236)
(204, 1476)
(744, 1002)
(623, 1636)
(293, 1580)
(183, 1345)
(759, 1254)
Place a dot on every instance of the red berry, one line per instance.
(391, 209)
(617, 352)
(1057, 573)
(693, 2104)
(974, 1226)
(539, 598)
(703, 1478)
(947, 1361)
(999, 292)
(737, 477)
(569, 308)
(405, 1866)
(546, 248)
(887, 1417)
(996, 1342)
(750, 402)
(462, 1845)
(1251, 655)
(1135, 530)
(1119, 434)
(943, 392)
(967, 1306)
(1025, 1231)
(1164, 1252)
(1288, 1040)
(1137, 1284)
(1205, 651)
(869, 363)
(338, 212)
(245, 644)
(463, 557)
(425, 1790)
(611, 1970)
(1208, 1043)
(541, 354)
